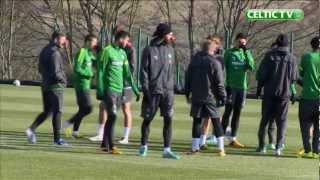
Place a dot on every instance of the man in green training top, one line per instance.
(238, 61)
(82, 75)
(114, 68)
(310, 99)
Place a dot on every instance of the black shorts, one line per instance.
(204, 110)
(236, 97)
(112, 101)
(83, 98)
(126, 95)
(162, 101)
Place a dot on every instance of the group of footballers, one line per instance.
(213, 79)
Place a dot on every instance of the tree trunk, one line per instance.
(11, 38)
(190, 27)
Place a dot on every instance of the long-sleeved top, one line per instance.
(51, 67)
(204, 79)
(113, 70)
(82, 69)
(277, 73)
(310, 73)
(157, 74)
(237, 63)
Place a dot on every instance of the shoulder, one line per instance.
(214, 61)
(122, 52)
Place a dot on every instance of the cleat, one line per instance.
(67, 129)
(300, 152)
(97, 138)
(204, 147)
(278, 152)
(222, 153)
(143, 151)
(124, 141)
(170, 155)
(316, 156)
(78, 136)
(115, 151)
(236, 144)
(308, 155)
(261, 150)
(61, 142)
(31, 135)
(193, 152)
(271, 147)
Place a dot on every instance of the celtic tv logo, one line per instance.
(274, 14)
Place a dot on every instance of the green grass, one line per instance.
(19, 160)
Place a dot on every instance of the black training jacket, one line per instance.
(277, 72)
(204, 78)
(158, 68)
(51, 67)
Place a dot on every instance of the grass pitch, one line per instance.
(19, 160)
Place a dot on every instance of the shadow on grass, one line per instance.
(17, 141)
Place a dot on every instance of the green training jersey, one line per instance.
(310, 72)
(237, 63)
(82, 69)
(113, 70)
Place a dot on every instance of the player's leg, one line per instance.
(149, 108)
(267, 116)
(30, 132)
(219, 134)
(315, 138)
(85, 108)
(196, 133)
(281, 108)
(166, 110)
(204, 133)
(239, 101)
(57, 106)
(227, 110)
(271, 134)
(305, 126)
(101, 122)
(126, 108)
(210, 110)
(112, 100)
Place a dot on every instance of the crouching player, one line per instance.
(205, 83)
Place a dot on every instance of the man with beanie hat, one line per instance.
(276, 74)
(157, 82)
(238, 61)
(310, 99)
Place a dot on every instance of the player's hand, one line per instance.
(221, 102)
(244, 48)
(138, 97)
(293, 98)
(188, 99)
(258, 93)
(98, 97)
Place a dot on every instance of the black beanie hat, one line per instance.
(162, 30)
(282, 40)
(315, 42)
(241, 36)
